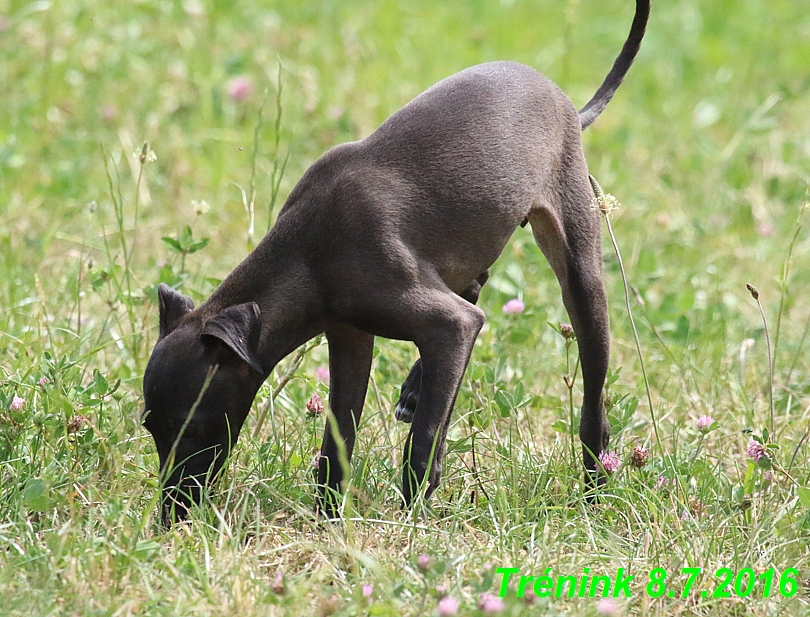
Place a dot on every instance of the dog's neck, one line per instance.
(276, 277)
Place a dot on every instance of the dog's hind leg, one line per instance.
(567, 229)
(409, 394)
(350, 353)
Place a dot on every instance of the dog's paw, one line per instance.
(409, 396)
(403, 413)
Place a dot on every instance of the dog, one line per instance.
(393, 236)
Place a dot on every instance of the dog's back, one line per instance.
(465, 161)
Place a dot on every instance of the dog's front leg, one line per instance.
(409, 394)
(350, 353)
(446, 328)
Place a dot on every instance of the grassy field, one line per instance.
(707, 147)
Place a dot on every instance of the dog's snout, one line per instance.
(185, 482)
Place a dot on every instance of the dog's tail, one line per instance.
(614, 79)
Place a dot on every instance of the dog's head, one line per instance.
(198, 387)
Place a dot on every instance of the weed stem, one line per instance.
(605, 207)
(755, 295)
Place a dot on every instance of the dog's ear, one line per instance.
(239, 328)
(173, 306)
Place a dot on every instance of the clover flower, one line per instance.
(423, 562)
(514, 307)
(322, 374)
(664, 483)
(448, 606)
(567, 331)
(277, 584)
(239, 88)
(610, 461)
(607, 606)
(756, 450)
(315, 405)
(490, 604)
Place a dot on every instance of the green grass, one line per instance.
(707, 146)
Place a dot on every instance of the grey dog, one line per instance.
(393, 236)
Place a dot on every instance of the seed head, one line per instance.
(639, 457)
(76, 423)
(146, 155)
(200, 206)
(754, 291)
(606, 203)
